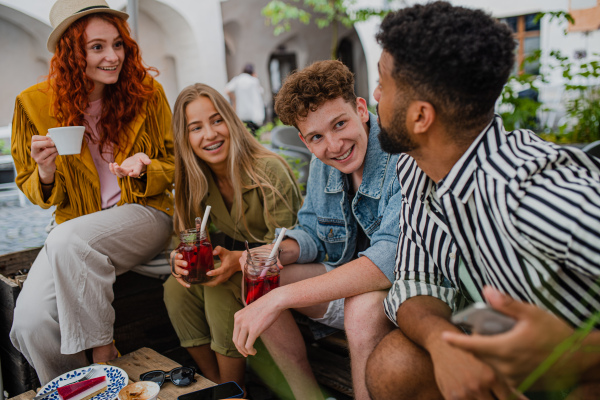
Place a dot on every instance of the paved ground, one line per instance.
(22, 227)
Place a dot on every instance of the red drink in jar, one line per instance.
(258, 287)
(261, 275)
(197, 254)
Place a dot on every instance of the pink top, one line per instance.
(110, 192)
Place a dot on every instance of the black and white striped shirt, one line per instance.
(523, 214)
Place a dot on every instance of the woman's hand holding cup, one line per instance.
(178, 268)
(44, 154)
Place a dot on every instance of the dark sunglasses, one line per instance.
(180, 376)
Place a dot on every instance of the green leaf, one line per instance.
(280, 13)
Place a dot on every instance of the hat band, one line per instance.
(90, 8)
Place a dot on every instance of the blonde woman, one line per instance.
(252, 192)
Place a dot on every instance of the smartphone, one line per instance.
(227, 390)
(483, 319)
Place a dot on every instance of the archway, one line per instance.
(24, 60)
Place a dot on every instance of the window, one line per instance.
(281, 64)
(527, 34)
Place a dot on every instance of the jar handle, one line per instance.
(173, 254)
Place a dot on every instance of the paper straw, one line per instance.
(205, 218)
(277, 243)
(198, 223)
(248, 251)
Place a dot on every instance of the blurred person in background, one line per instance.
(245, 93)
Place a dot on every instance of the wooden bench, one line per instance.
(142, 321)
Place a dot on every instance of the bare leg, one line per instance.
(399, 369)
(105, 353)
(205, 359)
(366, 325)
(218, 368)
(286, 346)
(231, 369)
(284, 340)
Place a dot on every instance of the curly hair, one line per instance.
(307, 89)
(122, 101)
(455, 58)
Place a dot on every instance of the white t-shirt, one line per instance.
(248, 98)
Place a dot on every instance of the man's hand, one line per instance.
(229, 266)
(460, 375)
(133, 166)
(44, 154)
(518, 352)
(253, 320)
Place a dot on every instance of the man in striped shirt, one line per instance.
(487, 214)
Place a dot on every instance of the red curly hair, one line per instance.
(121, 102)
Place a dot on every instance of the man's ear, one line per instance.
(420, 116)
(361, 109)
(303, 140)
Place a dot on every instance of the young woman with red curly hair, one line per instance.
(113, 200)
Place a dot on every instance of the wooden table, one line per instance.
(144, 360)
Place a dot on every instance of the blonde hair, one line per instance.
(191, 184)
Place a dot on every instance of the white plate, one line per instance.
(117, 379)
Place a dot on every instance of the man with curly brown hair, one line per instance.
(339, 259)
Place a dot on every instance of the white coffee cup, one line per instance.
(67, 139)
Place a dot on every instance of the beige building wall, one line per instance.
(24, 59)
(249, 39)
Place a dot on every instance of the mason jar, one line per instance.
(197, 252)
(261, 275)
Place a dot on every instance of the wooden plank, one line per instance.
(17, 374)
(336, 343)
(12, 262)
(145, 359)
(329, 359)
(24, 396)
(331, 369)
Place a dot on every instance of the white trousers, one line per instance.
(65, 305)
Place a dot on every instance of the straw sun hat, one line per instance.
(65, 12)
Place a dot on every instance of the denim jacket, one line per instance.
(327, 230)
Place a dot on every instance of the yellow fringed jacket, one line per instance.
(76, 188)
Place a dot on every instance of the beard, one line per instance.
(395, 138)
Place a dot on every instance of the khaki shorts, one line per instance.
(203, 315)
